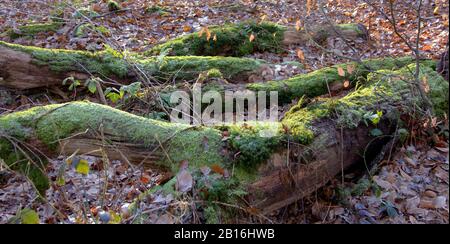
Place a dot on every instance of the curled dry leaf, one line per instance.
(341, 71)
(184, 181)
(300, 54)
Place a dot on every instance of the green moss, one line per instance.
(189, 67)
(386, 90)
(107, 62)
(84, 29)
(110, 62)
(254, 142)
(316, 83)
(231, 40)
(33, 29)
(400, 80)
(214, 73)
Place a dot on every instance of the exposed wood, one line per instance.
(321, 33)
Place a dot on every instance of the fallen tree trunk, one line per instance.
(23, 67)
(272, 175)
(234, 39)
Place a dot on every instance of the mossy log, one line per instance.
(32, 29)
(234, 39)
(25, 67)
(329, 135)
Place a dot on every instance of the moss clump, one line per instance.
(84, 29)
(316, 83)
(33, 29)
(254, 142)
(214, 73)
(230, 40)
(113, 6)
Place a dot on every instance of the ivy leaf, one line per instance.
(29, 216)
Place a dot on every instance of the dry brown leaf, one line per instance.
(251, 38)
(300, 54)
(215, 37)
(187, 28)
(184, 181)
(426, 86)
(97, 8)
(208, 34)
(341, 71)
(298, 25)
(217, 169)
(346, 84)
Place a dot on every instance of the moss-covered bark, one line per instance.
(321, 81)
(230, 40)
(112, 63)
(386, 91)
(33, 29)
(234, 39)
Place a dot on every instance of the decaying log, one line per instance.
(334, 133)
(24, 67)
(234, 39)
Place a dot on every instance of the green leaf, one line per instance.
(82, 167)
(92, 86)
(376, 132)
(114, 97)
(115, 218)
(29, 216)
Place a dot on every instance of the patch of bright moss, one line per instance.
(84, 29)
(231, 40)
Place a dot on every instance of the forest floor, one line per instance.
(411, 186)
